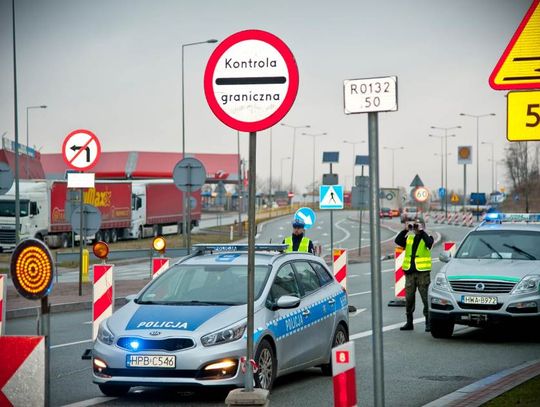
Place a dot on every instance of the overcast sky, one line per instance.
(113, 67)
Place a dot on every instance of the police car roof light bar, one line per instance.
(202, 248)
(511, 218)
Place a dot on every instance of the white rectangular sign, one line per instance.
(81, 180)
(370, 95)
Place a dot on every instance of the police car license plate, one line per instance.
(162, 361)
(470, 299)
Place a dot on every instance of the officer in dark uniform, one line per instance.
(417, 268)
(297, 242)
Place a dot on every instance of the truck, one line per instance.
(392, 198)
(129, 210)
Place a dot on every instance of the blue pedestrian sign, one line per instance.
(442, 192)
(307, 216)
(331, 197)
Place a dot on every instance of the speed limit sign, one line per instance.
(421, 194)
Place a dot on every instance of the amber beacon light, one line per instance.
(159, 244)
(101, 250)
(32, 269)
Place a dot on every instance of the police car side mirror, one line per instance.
(288, 301)
(445, 257)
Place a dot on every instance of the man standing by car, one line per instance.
(297, 242)
(417, 268)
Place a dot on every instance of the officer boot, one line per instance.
(428, 324)
(409, 325)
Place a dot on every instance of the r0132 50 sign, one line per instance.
(370, 95)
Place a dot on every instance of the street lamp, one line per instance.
(477, 117)
(490, 143)
(307, 126)
(27, 132)
(354, 143)
(393, 149)
(211, 41)
(313, 185)
(446, 135)
(281, 173)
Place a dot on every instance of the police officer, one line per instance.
(417, 267)
(297, 242)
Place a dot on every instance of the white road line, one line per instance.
(63, 345)
(362, 293)
(347, 233)
(385, 329)
(91, 402)
(358, 311)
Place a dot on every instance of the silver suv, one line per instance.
(494, 277)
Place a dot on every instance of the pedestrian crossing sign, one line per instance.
(331, 197)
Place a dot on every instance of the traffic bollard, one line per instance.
(159, 265)
(344, 375)
(2, 304)
(103, 297)
(450, 247)
(85, 265)
(399, 284)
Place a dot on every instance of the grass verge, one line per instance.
(526, 395)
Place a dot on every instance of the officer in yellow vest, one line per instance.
(297, 242)
(417, 268)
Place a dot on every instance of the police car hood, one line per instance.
(491, 269)
(172, 320)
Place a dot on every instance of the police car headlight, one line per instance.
(440, 282)
(104, 334)
(528, 284)
(224, 336)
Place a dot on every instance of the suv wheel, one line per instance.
(266, 360)
(340, 337)
(442, 329)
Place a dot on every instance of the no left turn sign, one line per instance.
(251, 80)
(81, 150)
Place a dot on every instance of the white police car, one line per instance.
(188, 326)
(494, 277)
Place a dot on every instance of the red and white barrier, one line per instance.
(159, 265)
(103, 295)
(2, 304)
(22, 377)
(450, 247)
(455, 219)
(344, 375)
(399, 285)
(468, 220)
(340, 266)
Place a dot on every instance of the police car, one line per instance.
(494, 277)
(188, 326)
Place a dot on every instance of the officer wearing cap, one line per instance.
(417, 267)
(297, 242)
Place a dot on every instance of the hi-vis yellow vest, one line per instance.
(303, 247)
(422, 261)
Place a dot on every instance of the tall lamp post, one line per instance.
(307, 126)
(445, 136)
(393, 149)
(313, 172)
(27, 132)
(477, 117)
(281, 173)
(354, 143)
(490, 143)
(185, 203)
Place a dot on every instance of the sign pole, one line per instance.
(331, 225)
(464, 186)
(251, 258)
(360, 224)
(81, 242)
(188, 203)
(44, 330)
(375, 240)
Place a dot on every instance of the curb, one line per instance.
(487, 389)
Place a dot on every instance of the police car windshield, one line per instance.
(215, 284)
(501, 245)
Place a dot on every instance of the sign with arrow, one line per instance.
(81, 150)
(416, 182)
(307, 216)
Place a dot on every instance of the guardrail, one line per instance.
(121, 254)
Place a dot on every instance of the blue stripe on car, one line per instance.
(186, 318)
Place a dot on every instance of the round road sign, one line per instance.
(91, 220)
(421, 194)
(81, 150)
(251, 80)
(189, 174)
(6, 178)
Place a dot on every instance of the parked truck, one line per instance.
(129, 210)
(392, 198)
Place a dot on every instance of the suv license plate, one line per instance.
(470, 299)
(162, 361)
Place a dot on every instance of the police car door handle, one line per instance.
(332, 301)
(306, 313)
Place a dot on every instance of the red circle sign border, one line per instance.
(288, 101)
(424, 189)
(92, 136)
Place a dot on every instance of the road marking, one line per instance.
(362, 293)
(385, 329)
(347, 233)
(91, 402)
(63, 345)
(358, 311)
(87, 323)
(353, 276)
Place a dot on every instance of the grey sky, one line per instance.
(113, 66)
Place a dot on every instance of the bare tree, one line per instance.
(523, 169)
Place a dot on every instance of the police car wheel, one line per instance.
(114, 390)
(442, 329)
(340, 337)
(266, 362)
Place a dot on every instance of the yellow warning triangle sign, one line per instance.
(519, 66)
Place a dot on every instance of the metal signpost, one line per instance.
(250, 83)
(464, 157)
(371, 96)
(189, 175)
(363, 184)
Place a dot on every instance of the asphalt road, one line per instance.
(418, 368)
